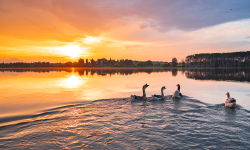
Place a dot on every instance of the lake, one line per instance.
(67, 108)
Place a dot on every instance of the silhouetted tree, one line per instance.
(110, 60)
(68, 64)
(87, 61)
(128, 62)
(174, 62)
(81, 62)
(93, 63)
(149, 63)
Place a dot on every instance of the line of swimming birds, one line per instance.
(230, 102)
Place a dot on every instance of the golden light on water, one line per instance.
(73, 81)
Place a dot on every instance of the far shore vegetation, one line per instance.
(235, 59)
(94, 63)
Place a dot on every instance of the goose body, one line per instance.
(159, 97)
(177, 94)
(230, 102)
(143, 97)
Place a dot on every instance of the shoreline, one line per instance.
(91, 67)
(31, 68)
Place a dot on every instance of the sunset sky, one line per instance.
(157, 30)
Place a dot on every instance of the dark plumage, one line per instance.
(143, 97)
(159, 97)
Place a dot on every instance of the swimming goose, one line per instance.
(230, 102)
(143, 97)
(159, 97)
(177, 94)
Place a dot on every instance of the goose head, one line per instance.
(145, 86)
(178, 86)
(163, 88)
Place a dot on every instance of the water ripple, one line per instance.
(122, 124)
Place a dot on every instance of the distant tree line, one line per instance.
(90, 63)
(235, 59)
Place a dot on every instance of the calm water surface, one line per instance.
(90, 108)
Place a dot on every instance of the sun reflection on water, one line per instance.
(73, 81)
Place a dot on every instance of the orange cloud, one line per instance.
(135, 29)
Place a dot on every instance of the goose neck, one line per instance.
(162, 93)
(144, 92)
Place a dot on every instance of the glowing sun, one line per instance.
(72, 50)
